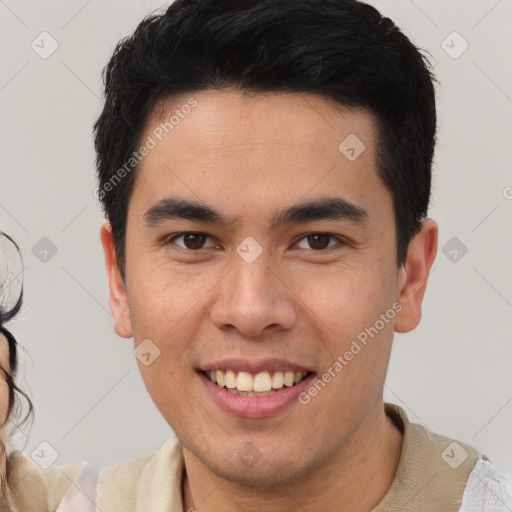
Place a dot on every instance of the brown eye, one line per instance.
(191, 241)
(320, 241)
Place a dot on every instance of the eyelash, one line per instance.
(341, 242)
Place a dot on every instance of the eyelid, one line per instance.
(169, 239)
(341, 241)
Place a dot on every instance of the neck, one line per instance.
(355, 479)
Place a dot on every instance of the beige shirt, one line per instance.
(435, 473)
(59, 488)
(431, 476)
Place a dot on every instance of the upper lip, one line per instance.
(254, 366)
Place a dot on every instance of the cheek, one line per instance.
(159, 318)
(158, 300)
(348, 298)
(4, 404)
(4, 388)
(354, 318)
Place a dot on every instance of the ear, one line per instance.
(117, 291)
(413, 276)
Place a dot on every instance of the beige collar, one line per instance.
(432, 472)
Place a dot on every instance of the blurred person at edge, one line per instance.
(265, 170)
(25, 486)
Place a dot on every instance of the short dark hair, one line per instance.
(339, 49)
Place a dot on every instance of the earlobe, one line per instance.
(413, 276)
(117, 292)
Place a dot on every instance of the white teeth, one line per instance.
(288, 379)
(244, 381)
(262, 384)
(230, 380)
(278, 380)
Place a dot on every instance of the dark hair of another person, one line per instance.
(9, 374)
(339, 49)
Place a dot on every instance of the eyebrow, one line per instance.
(328, 208)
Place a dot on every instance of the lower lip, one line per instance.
(255, 406)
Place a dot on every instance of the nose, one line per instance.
(254, 299)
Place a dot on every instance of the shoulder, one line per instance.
(126, 485)
(488, 486)
(433, 468)
(119, 481)
(30, 487)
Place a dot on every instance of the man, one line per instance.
(265, 169)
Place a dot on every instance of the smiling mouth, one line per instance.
(259, 384)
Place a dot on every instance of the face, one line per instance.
(290, 262)
(4, 399)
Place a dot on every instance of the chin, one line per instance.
(258, 476)
(248, 467)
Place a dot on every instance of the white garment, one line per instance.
(488, 489)
(81, 495)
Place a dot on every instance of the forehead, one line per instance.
(226, 118)
(256, 148)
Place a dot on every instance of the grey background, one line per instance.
(452, 374)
